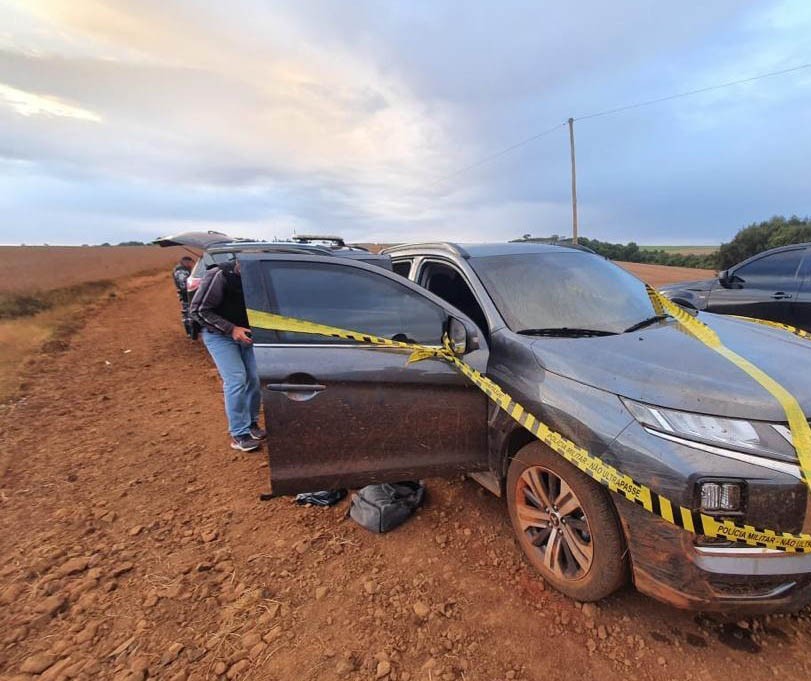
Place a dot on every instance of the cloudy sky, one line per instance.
(126, 120)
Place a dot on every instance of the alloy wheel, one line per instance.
(553, 520)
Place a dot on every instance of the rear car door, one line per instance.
(764, 288)
(345, 414)
(801, 308)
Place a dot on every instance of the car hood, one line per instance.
(665, 366)
(199, 240)
(698, 285)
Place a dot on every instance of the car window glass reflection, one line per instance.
(779, 266)
(352, 299)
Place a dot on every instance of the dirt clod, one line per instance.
(209, 535)
(172, 653)
(383, 669)
(37, 663)
(122, 568)
(73, 566)
(52, 605)
(421, 610)
(11, 593)
(345, 666)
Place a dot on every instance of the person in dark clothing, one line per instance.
(180, 274)
(219, 307)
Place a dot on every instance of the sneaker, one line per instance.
(244, 443)
(258, 433)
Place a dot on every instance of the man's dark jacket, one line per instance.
(218, 305)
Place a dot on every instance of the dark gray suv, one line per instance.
(577, 341)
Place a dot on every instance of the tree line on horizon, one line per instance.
(749, 241)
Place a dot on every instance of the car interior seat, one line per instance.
(451, 287)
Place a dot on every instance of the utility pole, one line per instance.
(574, 182)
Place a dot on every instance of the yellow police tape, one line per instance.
(798, 424)
(692, 521)
(776, 325)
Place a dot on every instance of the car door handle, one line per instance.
(296, 387)
(297, 392)
(781, 295)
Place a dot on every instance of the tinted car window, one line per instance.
(352, 299)
(568, 289)
(402, 267)
(771, 268)
(219, 258)
(805, 269)
(209, 260)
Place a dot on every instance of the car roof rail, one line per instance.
(456, 249)
(270, 247)
(565, 242)
(307, 238)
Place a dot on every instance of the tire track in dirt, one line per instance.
(133, 545)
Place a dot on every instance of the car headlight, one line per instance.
(772, 440)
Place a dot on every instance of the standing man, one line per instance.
(219, 306)
(180, 274)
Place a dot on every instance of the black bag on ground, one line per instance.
(381, 508)
(327, 497)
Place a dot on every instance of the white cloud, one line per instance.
(342, 116)
(32, 104)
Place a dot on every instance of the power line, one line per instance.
(495, 155)
(720, 86)
(606, 112)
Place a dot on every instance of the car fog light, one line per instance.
(720, 496)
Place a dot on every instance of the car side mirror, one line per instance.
(730, 279)
(726, 278)
(464, 336)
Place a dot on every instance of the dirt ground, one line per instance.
(683, 250)
(133, 545)
(659, 275)
(42, 268)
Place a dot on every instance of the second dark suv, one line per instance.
(577, 341)
(774, 285)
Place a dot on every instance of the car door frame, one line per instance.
(500, 427)
(801, 305)
(261, 285)
(494, 319)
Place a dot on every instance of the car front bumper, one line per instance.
(668, 565)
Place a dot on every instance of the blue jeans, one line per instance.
(240, 381)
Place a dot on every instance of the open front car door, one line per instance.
(346, 414)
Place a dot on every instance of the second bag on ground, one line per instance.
(380, 508)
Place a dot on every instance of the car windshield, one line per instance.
(568, 291)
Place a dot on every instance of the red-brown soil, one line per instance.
(659, 275)
(42, 268)
(133, 545)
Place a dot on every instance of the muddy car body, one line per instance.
(575, 340)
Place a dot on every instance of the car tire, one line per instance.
(577, 546)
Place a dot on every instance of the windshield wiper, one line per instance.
(565, 331)
(646, 322)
